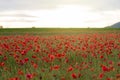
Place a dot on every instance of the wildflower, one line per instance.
(62, 78)
(108, 79)
(101, 75)
(101, 57)
(2, 64)
(20, 72)
(118, 64)
(26, 60)
(74, 76)
(52, 57)
(15, 78)
(118, 76)
(56, 67)
(29, 76)
(70, 69)
(105, 68)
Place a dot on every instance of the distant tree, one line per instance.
(1, 27)
(33, 27)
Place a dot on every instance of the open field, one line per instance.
(60, 54)
(54, 31)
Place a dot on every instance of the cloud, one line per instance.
(75, 16)
(50, 4)
(16, 15)
(95, 4)
(26, 4)
(21, 20)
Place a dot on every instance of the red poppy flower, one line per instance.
(70, 68)
(101, 75)
(74, 76)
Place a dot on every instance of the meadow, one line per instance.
(60, 54)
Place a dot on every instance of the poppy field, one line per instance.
(63, 56)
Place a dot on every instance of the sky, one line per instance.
(59, 13)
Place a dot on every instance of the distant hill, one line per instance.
(116, 25)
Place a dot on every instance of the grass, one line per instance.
(55, 31)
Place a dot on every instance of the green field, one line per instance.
(50, 31)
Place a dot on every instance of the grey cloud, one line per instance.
(107, 5)
(16, 15)
(49, 4)
(26, 4)
(22, 20)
